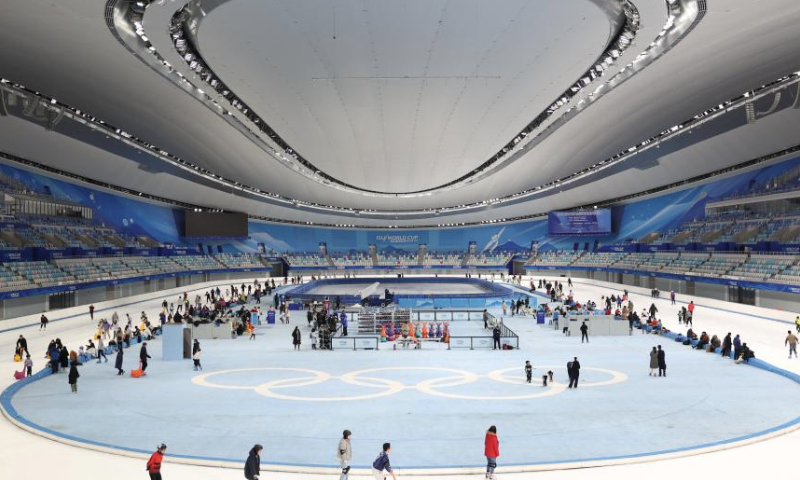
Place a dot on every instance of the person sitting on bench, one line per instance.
(746, 354)
(701, 344)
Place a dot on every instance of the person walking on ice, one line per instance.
(296, 338)
(381, 466)
(791, 341)
(73, 372)
(143, 356)
(492, 450)
(574, 372)
(662, 362)
(584, 332)
(653, 362)
(528, 371)
(196, 359)
(344, 452)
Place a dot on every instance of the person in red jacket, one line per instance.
(492, 451)
(154, 464)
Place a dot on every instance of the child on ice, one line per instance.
(528, 370)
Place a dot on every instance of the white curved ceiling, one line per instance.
(65, 50)
(400, 96)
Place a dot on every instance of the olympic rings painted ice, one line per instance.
(389, 387)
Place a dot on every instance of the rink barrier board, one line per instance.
(775, 287)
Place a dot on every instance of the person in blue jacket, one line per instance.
(382, 464)
(252, 468)
(343, 318)
(54, 357)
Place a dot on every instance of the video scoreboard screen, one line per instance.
(589, 222)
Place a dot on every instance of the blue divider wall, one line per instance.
(493, 296)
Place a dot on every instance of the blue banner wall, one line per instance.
(631, 221)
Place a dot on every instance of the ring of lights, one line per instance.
(388, 387)
(683, 17)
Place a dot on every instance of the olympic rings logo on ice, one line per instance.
(278, 388)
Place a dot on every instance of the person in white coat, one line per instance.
(344, 452)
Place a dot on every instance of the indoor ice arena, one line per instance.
(379, 239)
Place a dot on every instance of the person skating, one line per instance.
(737, 346)
(485, 319)
(101, 349)
(653, 362)
(296, 338)
(584, 332)
(43, 323)
(662, 362)
(491, 449)
(528, 371)
(73, 376)
(154, 463)
(118, 362)
(574, 372)
(796, 323)
(791, 341)
(28, 365)
(252, 467)
(496, 337)
(381, 465)
(143, 356)
(91, 312)
(344, 452)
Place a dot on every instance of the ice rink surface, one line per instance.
(723, 399)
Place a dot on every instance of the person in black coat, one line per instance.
(118, 362)
(662, 362)
(574, 372)
(22, 345)
(252, 468)
(143, 356)
(73, 375)
(584, 332)
(296, 338)
(496, 337)
(726, 345)
(64, 358)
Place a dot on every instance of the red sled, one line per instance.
(19, 375)
(138, 372)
